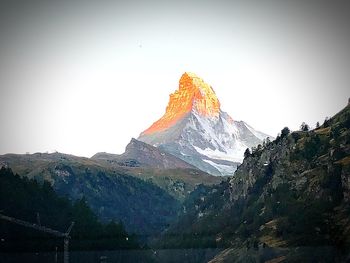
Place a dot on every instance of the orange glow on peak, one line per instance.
(194, 95)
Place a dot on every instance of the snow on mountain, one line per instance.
(196, 130)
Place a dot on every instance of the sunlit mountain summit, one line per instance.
(195, 129)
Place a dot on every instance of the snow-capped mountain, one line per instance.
(195, 129)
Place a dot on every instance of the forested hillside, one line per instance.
(27, 200)
(143, 207)
(288, 200)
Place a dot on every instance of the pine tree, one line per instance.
(247, 153)
(304, 127)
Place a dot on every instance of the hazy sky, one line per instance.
(81, 77)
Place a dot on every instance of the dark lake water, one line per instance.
(164, 255)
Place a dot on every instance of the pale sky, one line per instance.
(81, 77)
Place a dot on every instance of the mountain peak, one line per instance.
(193, 95)
(195, 129)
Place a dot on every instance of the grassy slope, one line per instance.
(178, 182)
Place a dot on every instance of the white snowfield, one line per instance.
(233, 155)
(227, 170)
(223, 137)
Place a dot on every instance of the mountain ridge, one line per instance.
(150, 163)
(138, 153)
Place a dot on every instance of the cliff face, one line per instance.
(193, 94)
(288, 200)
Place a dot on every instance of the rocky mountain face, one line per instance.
(196, 130)
(289, 201)
(140, 154)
